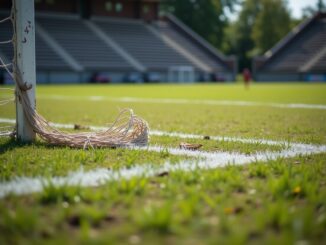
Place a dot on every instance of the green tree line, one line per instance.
(259, 26)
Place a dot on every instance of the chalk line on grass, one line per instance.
(171, 134)
(200, 160)
(187, 101)
(100, 176)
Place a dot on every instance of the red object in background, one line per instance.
(246, 77)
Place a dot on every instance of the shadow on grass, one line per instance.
(11, 144)
(8, 144)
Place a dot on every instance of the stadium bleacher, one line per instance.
(320, 66)
(46, 58)
(299, 56)
(72, 48)
(81, 43)
(144, 45)
(167, 29)
(6, 31)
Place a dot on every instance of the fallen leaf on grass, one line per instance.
(188, 146)
(110, 218)
(254, 235)
(80, 127)
(235, 210)
(162, 174)
(297, 190)
(228, 210)
(74, 220)
(134, 239)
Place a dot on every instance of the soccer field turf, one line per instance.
(259, 178)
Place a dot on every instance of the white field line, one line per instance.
(186, 101)
(97, 177)
(201, 160)
(171, 134)
(191, 136)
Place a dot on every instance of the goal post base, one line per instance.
(24, 62)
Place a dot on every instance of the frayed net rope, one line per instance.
(127, 130)
(6, 131)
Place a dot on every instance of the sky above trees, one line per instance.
(296, 8)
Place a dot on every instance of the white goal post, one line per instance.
(24, 60)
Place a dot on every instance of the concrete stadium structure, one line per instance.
(118, 41)
(300, 56)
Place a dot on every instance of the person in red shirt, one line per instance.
(246, 77)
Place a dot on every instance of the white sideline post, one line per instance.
(25, 60)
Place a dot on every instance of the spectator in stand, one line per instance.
(246, 77)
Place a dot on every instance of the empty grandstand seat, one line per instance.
(141, 43)
(320, 65)
(82, 44)
(185, 42)
(6, 32)
(301, 50)
(46, 58)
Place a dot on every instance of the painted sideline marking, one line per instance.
(203, 160)
(200, 160)
(186, 101)
(171, 134)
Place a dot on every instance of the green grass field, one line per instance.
(280, 200)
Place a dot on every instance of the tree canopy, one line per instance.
(311, 10)
(272, 23)
(259, 25)
(206, 17)
(238, 35)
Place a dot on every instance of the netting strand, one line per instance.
(6, 131)
(5, 65)
(5, 19)
(6, 42)
(6, 101)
